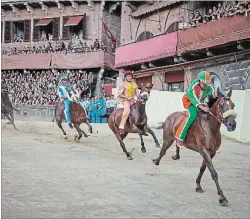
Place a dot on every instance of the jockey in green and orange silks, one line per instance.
(193, 100)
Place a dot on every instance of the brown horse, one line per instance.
(136, 123)
(203, 136)
(78, 116)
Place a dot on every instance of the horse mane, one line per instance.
(211, 101)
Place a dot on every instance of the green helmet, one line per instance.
(204, 77)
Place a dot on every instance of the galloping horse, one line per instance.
(78, 115)
(203, 136)
(6, 105)
(136, 123)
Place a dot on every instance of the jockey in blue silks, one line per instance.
(63, 95)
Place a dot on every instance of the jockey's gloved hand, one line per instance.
(203, 108)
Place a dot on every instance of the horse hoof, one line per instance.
(90, 131)
(65, 137)
(199, 190)
(130, 158)
(157, 145)
(175, 157)
(143, 150)
(155, 162)
(223, 202)
(86, 136)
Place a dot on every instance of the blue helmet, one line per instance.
(64, 77)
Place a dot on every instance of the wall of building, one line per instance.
(92, 18)
(233, 72)
(131, 27)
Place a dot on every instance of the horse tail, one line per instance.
(158, 125)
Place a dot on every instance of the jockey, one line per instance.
(127, 95)
(193, 100)
(63, 95)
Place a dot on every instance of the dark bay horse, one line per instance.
(6, 106)
(78, 116)
(136, 123)
(203, 136)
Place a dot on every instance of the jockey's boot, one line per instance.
(70, 125)
(121, 132)
(179, 143)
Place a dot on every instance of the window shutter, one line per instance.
(65, 35)
(7, 33)
(56, 28)
(36, 31)
(27, 29)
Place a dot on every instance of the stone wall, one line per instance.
(233, 72)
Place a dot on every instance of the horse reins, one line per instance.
(219, 120)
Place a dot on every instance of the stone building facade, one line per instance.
(142, 21)
(95, 13)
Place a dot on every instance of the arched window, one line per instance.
(145, 36)
(247, 86)
(216, 80)
(173, 27)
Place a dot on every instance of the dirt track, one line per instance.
(45, 176)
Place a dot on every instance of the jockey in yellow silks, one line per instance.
(127, 95)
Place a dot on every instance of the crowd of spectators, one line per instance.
(75, 45)
(40, 88)
(224, 9)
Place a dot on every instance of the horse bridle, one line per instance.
(142, 94)
(222, 115)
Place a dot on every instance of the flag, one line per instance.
(109, 34)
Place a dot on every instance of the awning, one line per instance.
(145, 51)
(214, 33)
(44, 22)
(73, 21)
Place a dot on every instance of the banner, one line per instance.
(109, 34)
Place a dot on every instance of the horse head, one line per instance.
(223, 109)
(145, 92)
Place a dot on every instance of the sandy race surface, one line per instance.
(45, 176)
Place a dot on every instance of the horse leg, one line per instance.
(83, 132)
(79, 132)
(120, 139)
(202, 170)
(150, 131)
(59, 123)
(177, 155)
(89, 125)
(143, 149)
(207, 158)
(11, 120)
(166, 145)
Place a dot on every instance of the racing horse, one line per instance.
(6, 105)
(136, 123)
(78, 115)
(203, 136)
